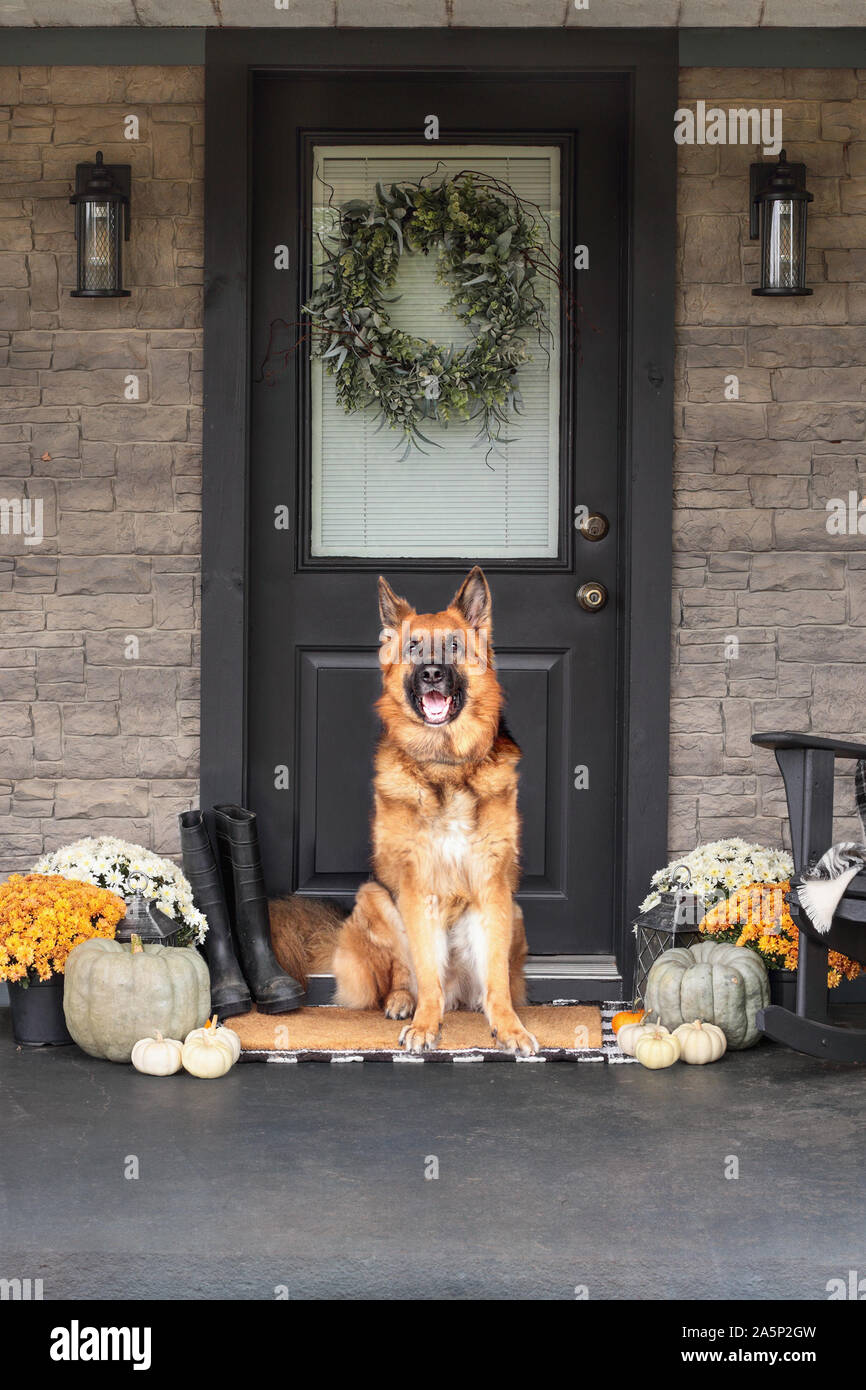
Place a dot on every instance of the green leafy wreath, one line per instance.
(490, 253)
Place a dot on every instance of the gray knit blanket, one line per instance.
(823, 886)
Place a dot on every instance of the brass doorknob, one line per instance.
(592, 596)
(594, 526)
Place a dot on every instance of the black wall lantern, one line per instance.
(101, 202)
(674, 921)
(777, 213)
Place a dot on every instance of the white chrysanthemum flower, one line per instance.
(720, 867)
(126, 869)
(649, 902)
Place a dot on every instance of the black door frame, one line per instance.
(649, 59)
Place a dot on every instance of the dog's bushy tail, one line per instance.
(304, 933)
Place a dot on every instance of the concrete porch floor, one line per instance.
(550, 1176)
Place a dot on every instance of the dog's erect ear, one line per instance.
(472, 600)
(392, 608)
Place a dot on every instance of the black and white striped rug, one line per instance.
(608, 1052)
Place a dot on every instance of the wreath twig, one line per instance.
(491, 254)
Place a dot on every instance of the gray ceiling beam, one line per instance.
(713, 48)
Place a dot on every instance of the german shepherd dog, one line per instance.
(437, 926)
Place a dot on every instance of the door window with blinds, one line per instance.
(460, 500)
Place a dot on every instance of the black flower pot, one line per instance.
(37, 1012)
(783, 989)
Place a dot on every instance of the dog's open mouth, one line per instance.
(435, 707)
(437, 697)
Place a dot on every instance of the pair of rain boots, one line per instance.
(243, 968)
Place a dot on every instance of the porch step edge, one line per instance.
(549, 979)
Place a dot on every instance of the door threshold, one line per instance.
(584, 978)
(587, 979)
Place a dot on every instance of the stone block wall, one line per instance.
(99, 622)
(753, 559)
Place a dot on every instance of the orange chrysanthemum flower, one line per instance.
(758, 916)
(42, 916)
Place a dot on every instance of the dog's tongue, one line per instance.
(434, 703)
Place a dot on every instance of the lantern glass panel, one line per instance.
(783, 242)
(99, 248)
(652, 942)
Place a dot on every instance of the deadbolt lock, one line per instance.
(592, 596)
(594, 526)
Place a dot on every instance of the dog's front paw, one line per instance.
(510, 1035)
(399, 1004)
(421, 1034)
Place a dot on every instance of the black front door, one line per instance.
(332, 504)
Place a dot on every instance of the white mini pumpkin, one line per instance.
(157, 1056)
(631, 1033)
(657, 1048)
(226, 1036)
(207, 1055)
(701, 1042)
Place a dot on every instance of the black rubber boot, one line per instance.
(274, 991)
(228, 988)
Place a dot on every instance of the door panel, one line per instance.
(313, 670)
(335, 766)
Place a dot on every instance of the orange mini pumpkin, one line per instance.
(627, 1016)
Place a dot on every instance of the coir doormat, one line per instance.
(565, 1033)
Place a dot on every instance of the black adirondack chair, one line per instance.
(807, 765)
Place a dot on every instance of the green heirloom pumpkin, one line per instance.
(713, 981)
(114, 994)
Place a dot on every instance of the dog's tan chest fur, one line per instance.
(447, 837)
(444, 836)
